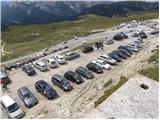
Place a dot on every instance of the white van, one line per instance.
(9, 106)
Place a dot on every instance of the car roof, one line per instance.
(41, 63)
(41, 82)
(59, 77)
(24, 90)
(7, 100)
(51, 60)
(98, 60)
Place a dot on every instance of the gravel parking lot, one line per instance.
(76, 103)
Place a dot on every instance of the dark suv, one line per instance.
(87, 49)
(120, 54)
(61, 82)
(73, 76)
(45, 89)
(115, 56)
(85, 72)
(28, 69)
(94, 67)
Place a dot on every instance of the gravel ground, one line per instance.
(131, 101)
(80, 101)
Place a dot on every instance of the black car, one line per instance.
(94, 67)
(28, 69)
(27, 97)
(119, 54)
(115, 56)
(142, 35)
(87, 49)
(118, 36)
(61, 82)
(126, 48)
(125, 52)
(73, 76)
(85, 72)
(45, 89)
(71, 56)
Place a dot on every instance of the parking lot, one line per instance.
(19, 78)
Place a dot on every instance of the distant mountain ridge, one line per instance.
(41, 12)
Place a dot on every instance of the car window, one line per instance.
(12, 108)
(3, 105)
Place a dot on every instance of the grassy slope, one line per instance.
(20, 40)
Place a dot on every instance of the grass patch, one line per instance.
(151, 72)
(25, 39)
(109, 82)
(111, 90)
(154, 57)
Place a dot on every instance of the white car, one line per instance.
(51, 63)
(102, 63)
(108, 59)
(60, 59)
(41, 65)
(11, 108)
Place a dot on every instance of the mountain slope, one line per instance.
(121, 8)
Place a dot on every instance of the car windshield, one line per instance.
(12, 108)
(29, 68)
(52, 62)
(27, 95)
(104, 62)
(64, 82)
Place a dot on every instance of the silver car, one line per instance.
(42, 66)
(27, 97)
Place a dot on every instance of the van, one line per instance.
(10, 107)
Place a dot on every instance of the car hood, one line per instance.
(30, 101)
(106, 65)
(50, 93)
(67, 86)
(16, 113)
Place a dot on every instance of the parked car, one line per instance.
(45, 89)
(102, 63)
(61, 82)
(73, 76)
(94, 67)
(11, 108)
(154, 32)
(60, 59)
(133, 48)
(84, 72)
(119, 54)
(125, 52)
(143, 35)
(108, 59)
(42, 66)
(124, 35)
(115, 56)
(51, 63)
(140, 40)
(71, 56)
(87, 49)
(4, 77)
(135, 34)
(118, 36)
(126, 48)
(109, 42)
(28, 69)
(27, 97)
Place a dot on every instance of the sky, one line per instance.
(79, 0)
